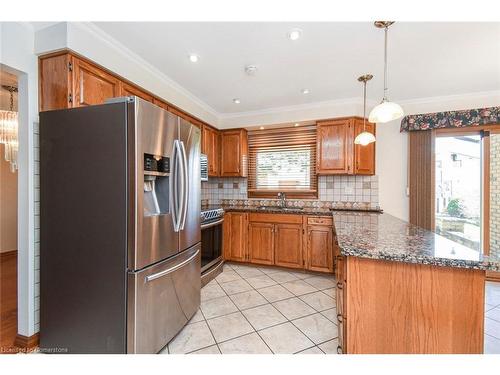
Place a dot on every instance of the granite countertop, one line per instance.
(383, 236)
(313, 211)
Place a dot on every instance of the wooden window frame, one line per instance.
(290, 193)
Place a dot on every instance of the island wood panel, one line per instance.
(55, 82)
(93, 85)
(260, 243)
(288, 245)
(397, 307)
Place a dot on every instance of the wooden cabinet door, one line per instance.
(364, 156)
(288, 245)
(233, 147)
(55, 82)
(129, 90)
(260, 243)
(92, 84)
(334, 147)
(210, 147)
(319, 253)
(236, 248)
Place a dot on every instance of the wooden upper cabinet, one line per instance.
(161, 104)
(92, 85)
(127, 89)
(260, 243)
(333, 147)
(336, 151)
(364, 156)
(55, 82)
(235, 236)
(234, 153)
(319, 248)
(288, 245)
(210, 147)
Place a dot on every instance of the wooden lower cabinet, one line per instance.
(319, 245)
(288, 245)
(235, 236)
(280, 240)
(261, 243)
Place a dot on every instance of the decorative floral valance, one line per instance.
(451, 119)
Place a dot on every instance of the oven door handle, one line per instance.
(210, 225)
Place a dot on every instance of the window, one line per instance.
(283, 160)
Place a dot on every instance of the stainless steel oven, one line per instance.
(212, 220)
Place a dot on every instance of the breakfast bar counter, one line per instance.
(404, 289)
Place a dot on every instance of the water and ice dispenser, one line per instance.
(156, 185)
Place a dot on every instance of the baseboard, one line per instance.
(8, 254)
(26, 342)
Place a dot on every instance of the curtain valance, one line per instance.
(451, 119)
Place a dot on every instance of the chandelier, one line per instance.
(8, 131)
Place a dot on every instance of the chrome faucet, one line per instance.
(282, 198)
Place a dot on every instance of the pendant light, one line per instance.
(386, 111)
(8, 131)
(364, 138)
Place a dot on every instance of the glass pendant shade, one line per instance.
(385, 112)
(364, 138)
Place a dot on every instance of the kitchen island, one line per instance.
(404, 289)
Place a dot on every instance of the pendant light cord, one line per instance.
(364, 106)
(386, 29)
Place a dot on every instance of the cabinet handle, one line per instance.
(339, 349)
(339, 285)
(340, 318)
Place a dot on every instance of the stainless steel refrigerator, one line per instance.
(120, 227)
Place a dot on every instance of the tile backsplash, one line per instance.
(346, 191)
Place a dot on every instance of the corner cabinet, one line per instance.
(336, 152)
(234, 153)
(210, 147)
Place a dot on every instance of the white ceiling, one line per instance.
(425, 59)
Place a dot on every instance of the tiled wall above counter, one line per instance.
(334, 191)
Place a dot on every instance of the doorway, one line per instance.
(8, 211)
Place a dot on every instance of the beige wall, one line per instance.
(8, 206)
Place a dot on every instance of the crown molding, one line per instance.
(129, 54)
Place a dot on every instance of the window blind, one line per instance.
(282, 160)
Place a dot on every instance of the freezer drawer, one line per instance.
(161, 300)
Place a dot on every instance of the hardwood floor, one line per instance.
(8, 302)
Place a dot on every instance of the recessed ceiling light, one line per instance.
(294, 34)
(261, 128)
(296, 124)
(193, 58)
(305, 91)
(236, 101)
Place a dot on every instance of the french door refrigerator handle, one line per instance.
(175, 183)
(185, 185)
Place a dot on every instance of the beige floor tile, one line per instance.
(192, 337)
(229, 326)
(330, 292)
(227, 276)
(247, 300)
(317, 328)
(218, 307)
(313, 350)
(293, 308)
(319, 301)
(283, 277)
(211, 291)
(300, 275)
(488, 307)
(275, 293)
(261, 281)
(270, 270)
(491, 345)
(329, 347)
(320, 282)
(330, 314)
(493, 293)
(492, 327)
(197, 317)
(264, 316)
(214, 349)
(248, 344)
(299, 287)
(249, 272)
(494, 314)
(236, 286)
(285, 339)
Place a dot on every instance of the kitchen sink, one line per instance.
(284, 209)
